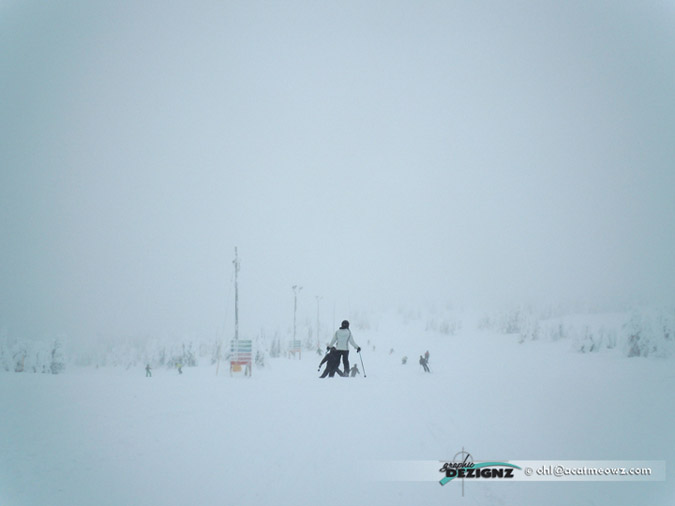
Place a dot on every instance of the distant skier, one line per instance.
(180, 368)
(354, 371)
(426, 356)
(404, 360)
(423, 363)
(332, 361)
(148, 373)
(342, 339)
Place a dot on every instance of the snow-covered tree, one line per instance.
(649, 333)
(57, 363)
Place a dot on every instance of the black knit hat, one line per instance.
(345, 324)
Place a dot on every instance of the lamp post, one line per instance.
(318, 327)
(296, 290)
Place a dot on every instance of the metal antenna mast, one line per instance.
(236, 294)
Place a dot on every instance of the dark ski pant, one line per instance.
(330, 372)
(345, 360)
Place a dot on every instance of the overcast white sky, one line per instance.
(372, 152)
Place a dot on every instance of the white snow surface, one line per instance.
(285, 437)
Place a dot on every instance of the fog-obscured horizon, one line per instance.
(374, 153)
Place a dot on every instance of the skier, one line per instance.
(426, 356)
(423, 363)
(404, 360)
(354, 371)
(180, 368)
(332, 361)
(342, 339)
(148, 374)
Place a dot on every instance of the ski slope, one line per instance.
(285, 437)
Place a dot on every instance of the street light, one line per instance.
(296, 289)
(318, 301)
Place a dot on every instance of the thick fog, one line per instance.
(374, 153)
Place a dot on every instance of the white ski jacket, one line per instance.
(342, 339)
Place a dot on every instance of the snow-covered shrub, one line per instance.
(529, 328)
(4, 358)
(275, 347)
(557, 331)
(182, 355)
(189, 356)
(513, 322)
(260, 358)
(448, 325)
(590, 342)
(31, 356)
(19, 357)
(408, 314)
(588, 333)
(649, 333)
(57, 363)
(508, 322)
(486, 323)
(216, 352)
(596, 339)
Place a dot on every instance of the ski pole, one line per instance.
(362, 366)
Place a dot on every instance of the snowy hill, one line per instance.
(110, 436)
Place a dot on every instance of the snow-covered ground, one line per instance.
(111, 436)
